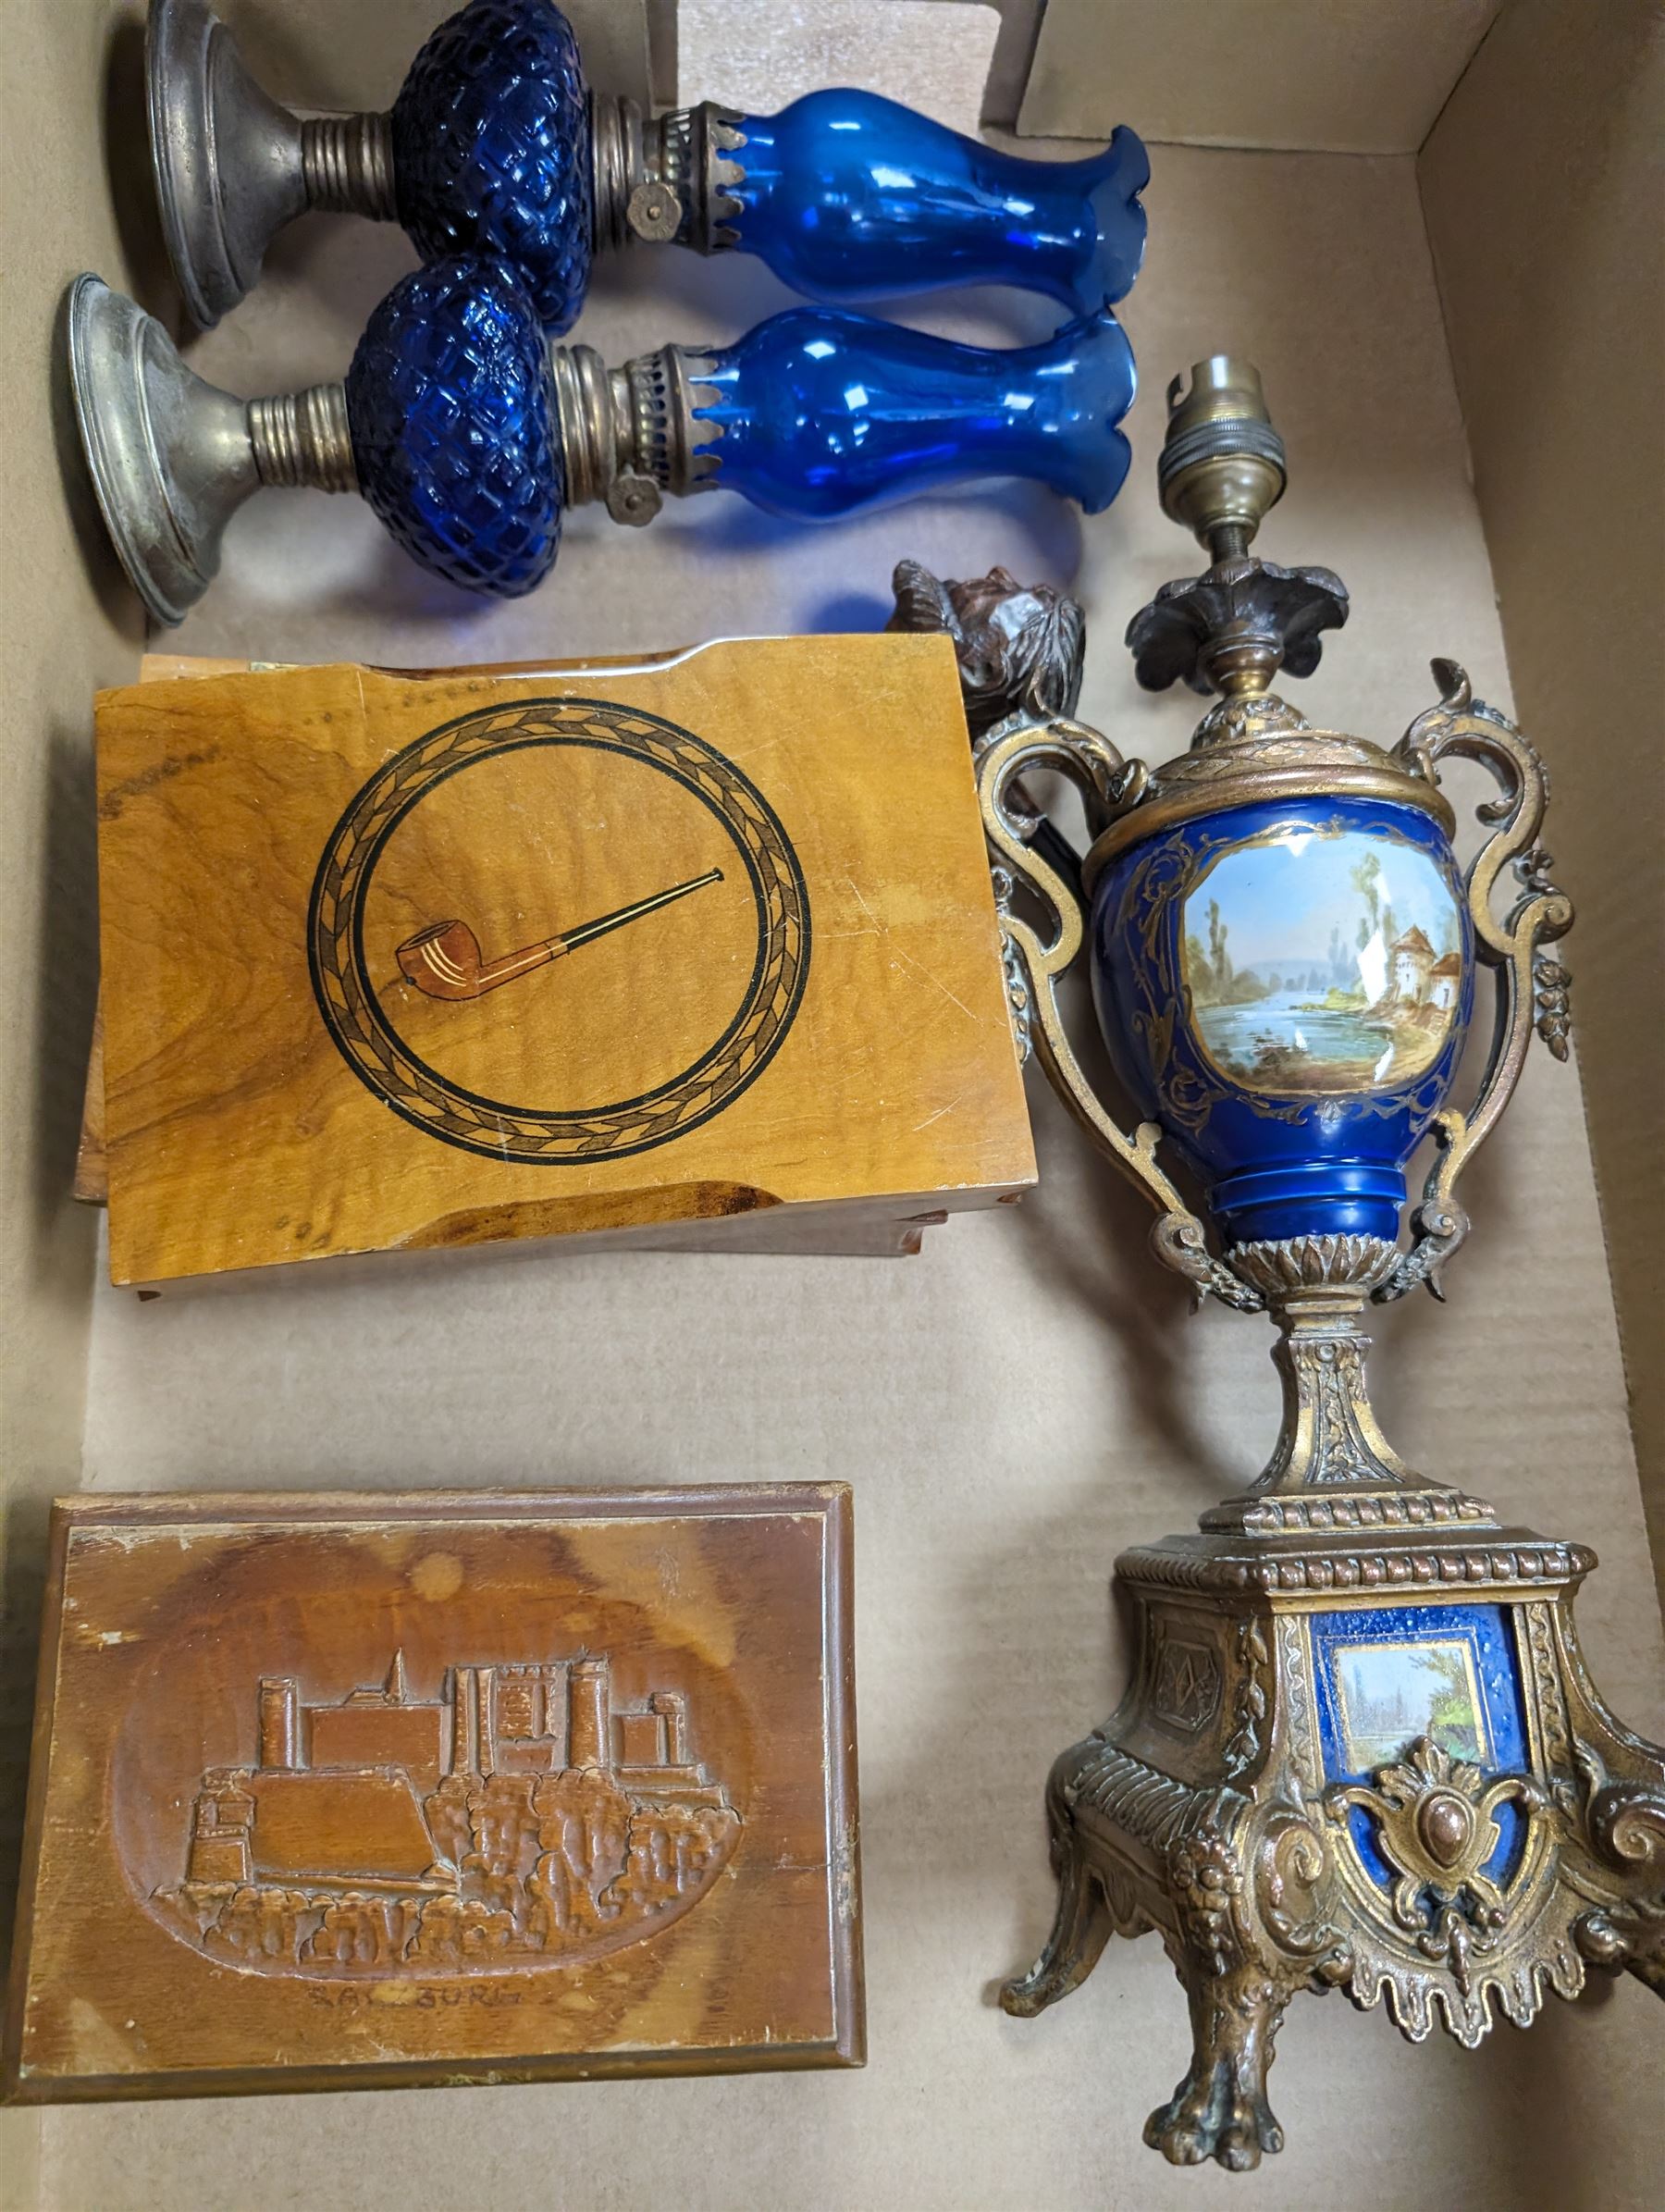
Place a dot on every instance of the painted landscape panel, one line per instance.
(1323, 962)
(1390, 1694)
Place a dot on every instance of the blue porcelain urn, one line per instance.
(495, 145)
(1282, 944)
(1285, 988)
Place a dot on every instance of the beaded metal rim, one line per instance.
(1250, 787)
(372, 1048)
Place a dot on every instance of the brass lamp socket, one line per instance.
(1222, 466)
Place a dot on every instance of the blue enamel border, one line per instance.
(1489, 1633)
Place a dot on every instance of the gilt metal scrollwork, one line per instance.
(1435, 1825)
(1108, 784)
(1532, 990)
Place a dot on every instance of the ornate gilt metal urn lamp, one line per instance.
(495, 145)
(470, 436)
(1360, 1749)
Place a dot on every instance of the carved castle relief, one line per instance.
(517, 1820)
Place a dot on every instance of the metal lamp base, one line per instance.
(1233, 1804)
(233, 165)
(170, 457)
(1361, 1750)
(227, 157)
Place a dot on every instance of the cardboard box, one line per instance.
(1032, 1396)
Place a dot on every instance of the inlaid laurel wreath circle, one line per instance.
(375, 1051)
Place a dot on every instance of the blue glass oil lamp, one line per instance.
(494, 146)
(1360, 1751)
(470, 436)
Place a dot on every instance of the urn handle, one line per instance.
(1532, 986)
(1107, 783)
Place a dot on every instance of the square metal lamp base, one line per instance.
(1365, 1757)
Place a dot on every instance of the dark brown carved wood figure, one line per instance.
(1021, 649)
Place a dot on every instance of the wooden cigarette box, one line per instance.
(703, 949)
(335, 1792)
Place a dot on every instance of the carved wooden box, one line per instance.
(701, 951)
(339, 1792)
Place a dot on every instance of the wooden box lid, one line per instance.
(334, 1792)
(397, 962)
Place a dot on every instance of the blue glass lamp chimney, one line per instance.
(495, 145)
(821, 413)
(849, 196)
